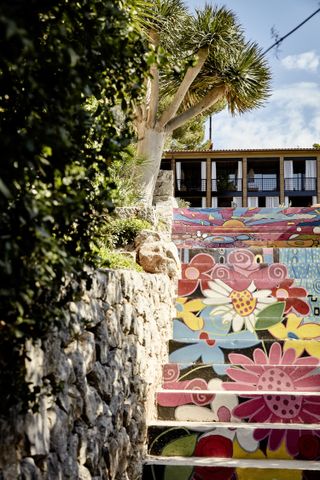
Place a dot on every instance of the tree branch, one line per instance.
(153, 87)
(210, 99)
(189, 77)
(154, 97)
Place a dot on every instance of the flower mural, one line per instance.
(237, 307)
(299, 336)
(251, 342)
(220, 409)
(171, 381)
(196, 272)
(292, 296)
(213, 446)
(271, 373)
(255, 474)
(185, 310)
(214, 338)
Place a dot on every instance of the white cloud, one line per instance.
(291, 119)
(308, 61)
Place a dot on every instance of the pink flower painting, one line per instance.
(277, 372)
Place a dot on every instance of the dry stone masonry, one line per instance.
(103, 364)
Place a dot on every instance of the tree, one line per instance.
(64, 67)
(202, 60)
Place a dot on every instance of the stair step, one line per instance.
(264, 464)
(248, 229)
(187, 240)
(219, 255)
(204, 427)
(238, 442)
(238, 377)
(239, 283)
(246, 215)
(216, 350)
(244, 407)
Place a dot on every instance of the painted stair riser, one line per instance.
(298, 216)
(265, 230)
(258, 358)
(245, 241)
(188, 286)
(237, 378)
(264, 255)
(301, 263)
(259, 255)
(163, 472)
(244, 308)
(242, 442)
(217, 406)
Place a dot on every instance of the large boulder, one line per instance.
(157, 254)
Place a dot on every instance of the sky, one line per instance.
(291, 116)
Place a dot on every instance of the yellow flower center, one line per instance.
(243, 302)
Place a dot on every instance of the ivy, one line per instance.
(66, 70)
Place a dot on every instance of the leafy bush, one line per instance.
(124, 173)
(64, 68)
(182, 203)
(115, 260)
(119, 232)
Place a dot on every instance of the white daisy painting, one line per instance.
(237, 307)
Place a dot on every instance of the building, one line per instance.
(247, 178)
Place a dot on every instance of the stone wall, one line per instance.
(103, 365)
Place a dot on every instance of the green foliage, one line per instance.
(115, 260)
(66, 68)
(232, 63)
(190, 136)
(182, 203)
(119, 233)
(123, 172)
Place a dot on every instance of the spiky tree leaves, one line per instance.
(208, 64)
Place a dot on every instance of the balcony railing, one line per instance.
(191, 185)
(225, 185)
(300, 184)
(264, 183)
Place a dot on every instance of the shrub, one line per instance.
(115, 260)
(64, 67)
(118, 233)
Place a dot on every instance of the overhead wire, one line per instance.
(280, 40)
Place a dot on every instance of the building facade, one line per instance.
(246, 178)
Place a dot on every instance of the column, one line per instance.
(318, 178)
(244, 183)
(209, 183)
(173, 168)
(281, 180)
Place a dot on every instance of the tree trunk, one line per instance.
(150, 148)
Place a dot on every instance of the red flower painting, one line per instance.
(213, 446)
(196, 272)
(292, 296)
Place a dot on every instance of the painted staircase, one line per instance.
(240, 398)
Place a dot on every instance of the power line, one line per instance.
(291, 31)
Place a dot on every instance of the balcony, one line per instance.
(223, 184)
(300, 184)
(189, 186)
(263, 183)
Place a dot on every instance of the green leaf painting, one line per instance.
(177, 473)
(270, 316)
(182, 446)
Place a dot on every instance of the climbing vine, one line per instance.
(66, 70)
